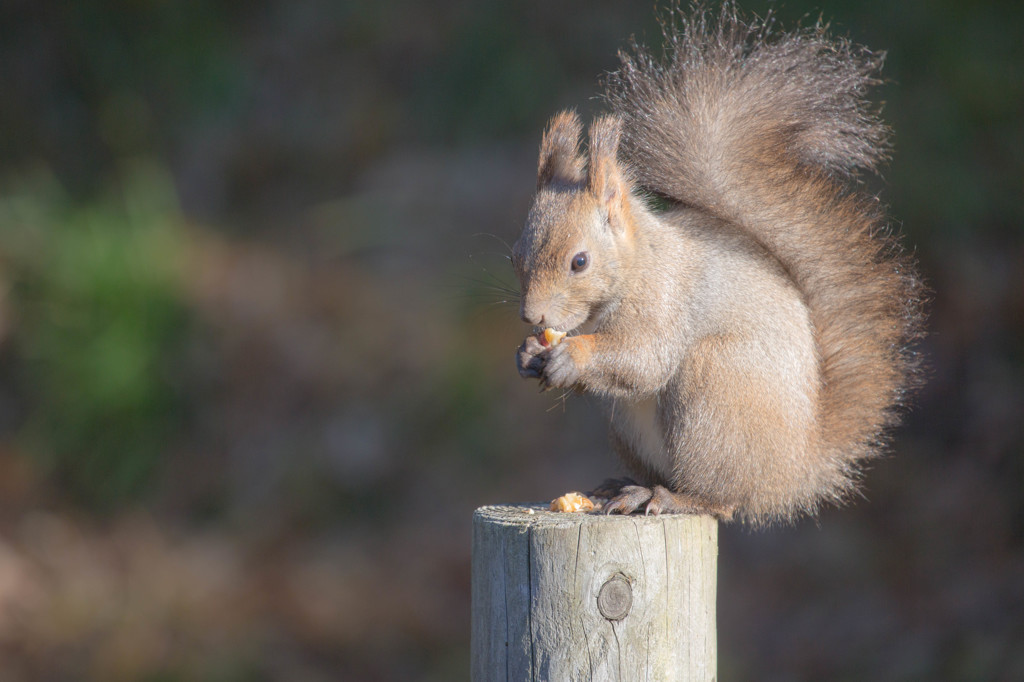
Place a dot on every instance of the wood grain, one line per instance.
(538, 600)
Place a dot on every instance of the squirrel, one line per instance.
(732, 293)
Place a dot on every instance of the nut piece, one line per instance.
(552, 338)
(571, 502)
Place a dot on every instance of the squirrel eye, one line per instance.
(580, 261)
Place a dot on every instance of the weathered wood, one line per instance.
(569, 596)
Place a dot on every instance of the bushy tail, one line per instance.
(769, 131)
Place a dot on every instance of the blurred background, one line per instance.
(256, 359)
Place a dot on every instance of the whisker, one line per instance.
(487, 271)
(560, 401)
(495, 237)
(491, 286)
(486, 286)
(493, 253)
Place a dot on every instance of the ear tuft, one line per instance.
(560, 159)
(605, 178)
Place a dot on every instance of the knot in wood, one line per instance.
(615, 598)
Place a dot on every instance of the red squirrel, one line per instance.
(732, 293)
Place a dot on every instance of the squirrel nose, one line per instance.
(533, 319)
(531, 315)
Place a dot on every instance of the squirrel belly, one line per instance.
(736, 424)
(751, 341)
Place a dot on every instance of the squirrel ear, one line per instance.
(605, 178)
(560, 159)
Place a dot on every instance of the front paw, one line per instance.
(530, 358)
(560, 370)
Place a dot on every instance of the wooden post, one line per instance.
(571, 596)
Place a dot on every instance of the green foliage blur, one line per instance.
(98, 328)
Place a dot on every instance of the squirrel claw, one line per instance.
(628, 500)
(664, 501)
(625, 497)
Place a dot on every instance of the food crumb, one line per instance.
(572, 502)
(550, 337)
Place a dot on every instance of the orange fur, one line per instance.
(581, 348)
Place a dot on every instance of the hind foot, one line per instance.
(626, 497)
